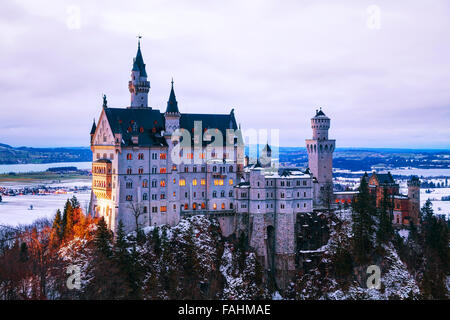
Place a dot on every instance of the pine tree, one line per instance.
(67, 221)
(107, 280)
(156, 241)
(436, 239)
(75, 203)
(363, 212)
(103, 239)
(57, 228)
(385, 230)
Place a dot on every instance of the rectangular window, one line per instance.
(162, 170)
(182, 182)
(162, 156)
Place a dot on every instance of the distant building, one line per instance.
(406, 208)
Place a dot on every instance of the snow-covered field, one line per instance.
(39, 167)
(15, 210)
(439, 207)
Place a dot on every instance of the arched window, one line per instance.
(129, 171)
(223, 206)
(214, 168)
(145, 184)
(230, 194)
(144, 197)
(203, 205)
(214, 194)
(222, 194)
(214, 206)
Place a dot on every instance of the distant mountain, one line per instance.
(18, 155)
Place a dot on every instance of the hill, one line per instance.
(18, 155)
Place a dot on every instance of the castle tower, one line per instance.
(266, 157)
(172, 114)
(320, 152)
(94, 127)
(414, 199)
(138, 85)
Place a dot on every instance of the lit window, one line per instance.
(194, 182)
(223, 206)
(182, 182)
(129, 156)
(203, 182)
(162, 156)
(214, 206)
(203, 205)
(163, 209)
(230, 182)
(162, 183)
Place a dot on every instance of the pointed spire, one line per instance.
(138, 62)
(267, 148)
(94, 127)
(172, 104)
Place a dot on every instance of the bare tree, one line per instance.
(137, 211)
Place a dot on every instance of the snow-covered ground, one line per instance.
(39, 167)
(15, 210)
(439, 207)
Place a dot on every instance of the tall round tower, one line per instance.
(320, 152)
(414, 199)
(138, 85)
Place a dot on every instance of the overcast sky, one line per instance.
(381, 73)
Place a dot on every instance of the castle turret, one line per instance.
(320, 152)
(414, 199)
(94, 127)
(138, 85)
(266, 157)
(172, 114)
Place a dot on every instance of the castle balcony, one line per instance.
(102, 179)
(209, 213)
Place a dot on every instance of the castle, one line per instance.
(405, 208)
(153, 168)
